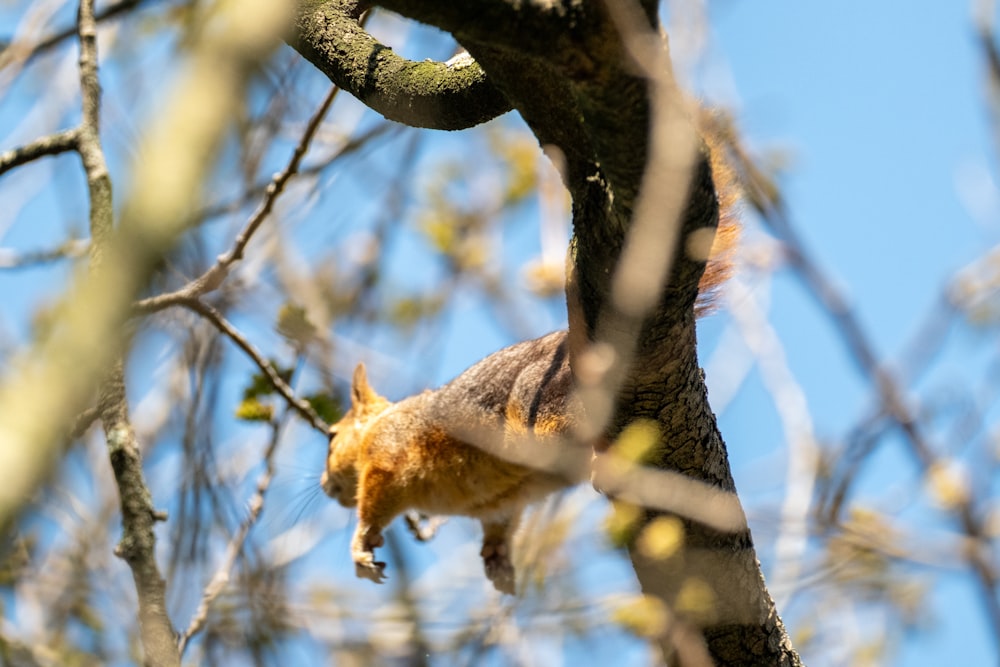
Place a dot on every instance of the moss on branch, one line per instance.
(436, 95)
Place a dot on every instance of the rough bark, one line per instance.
(564, 66)
(443, 96)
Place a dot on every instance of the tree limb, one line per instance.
(443, 96)
(217, 320)
(61, 369)
(53, 144)
(138, 543)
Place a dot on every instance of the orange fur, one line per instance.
(437, 452)
(727, 235)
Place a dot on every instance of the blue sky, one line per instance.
(880, 111)
(881, 107)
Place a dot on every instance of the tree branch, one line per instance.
(188, 296)
(61, 370)
(137, 546)
(891, 395)
(53, 144)
(444, 96)
(221, 577)
(138, 543)
(211, 279)
(11, 259)
(57, 38)
(539, 28)
(223, 325)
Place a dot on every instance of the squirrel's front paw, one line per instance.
(498, 567)
(366, 567)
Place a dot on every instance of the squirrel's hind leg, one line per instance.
(496, 552)
(378, 503)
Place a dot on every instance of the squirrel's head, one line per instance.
(340, 478)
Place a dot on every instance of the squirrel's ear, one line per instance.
(361, 391)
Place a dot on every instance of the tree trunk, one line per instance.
(564, 66)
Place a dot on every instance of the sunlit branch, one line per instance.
(53, 144)
(138, 543)
(444, 96)
(803, 450)
(217, 320)
(83, 352)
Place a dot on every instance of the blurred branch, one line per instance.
(644, 266)
(417, 647)
(11, 259)
(353, 145)
(57, 38)
(767, 200)
(26, 654)
(58, 374)
(83, 422)
(217, 273)
(188, 296)
(235, 547)
(986, 32)
(803, 451)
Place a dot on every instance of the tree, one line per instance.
(594, 84)
(640, 186)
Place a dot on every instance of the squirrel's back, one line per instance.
(526, 387)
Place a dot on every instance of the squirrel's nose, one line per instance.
(330, 486)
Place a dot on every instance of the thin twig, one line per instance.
(224, 326)
(222, 575)
(53, 144)
(188, 296)
(11, 259)
(216, 274)
(353, 145)
(57, 38)
(803, 451)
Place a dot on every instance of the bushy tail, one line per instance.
(720, 259)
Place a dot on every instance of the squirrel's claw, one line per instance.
(366, 567)
(498, 567)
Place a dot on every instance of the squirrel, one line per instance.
(476, 446)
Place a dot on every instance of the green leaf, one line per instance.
(326, 406)
(252, 410)
(260, 384)
(294, 325)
